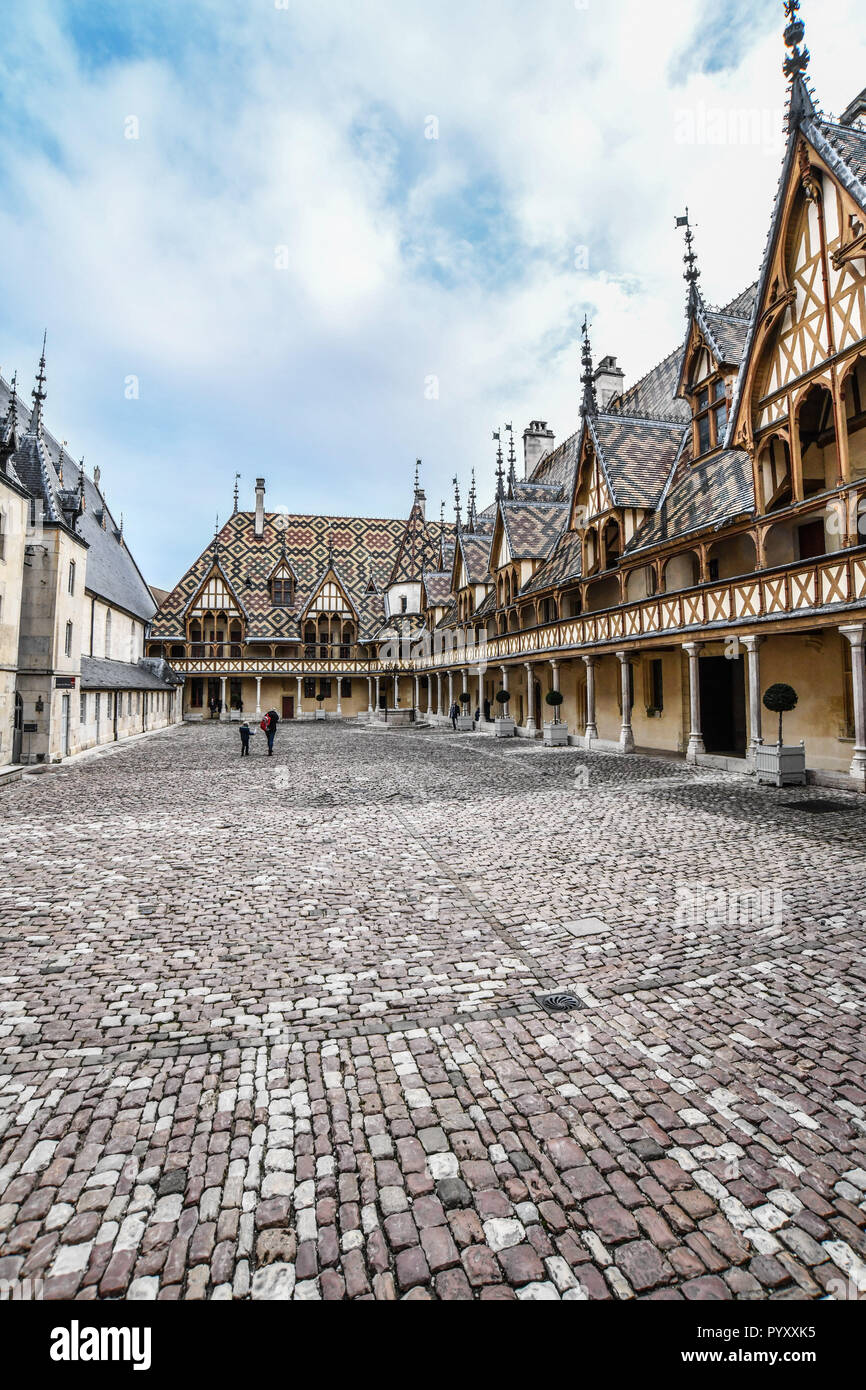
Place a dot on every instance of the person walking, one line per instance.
(245, 740)
(486, 711)
(269, 724)
(455, 713)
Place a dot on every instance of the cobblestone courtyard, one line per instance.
(272, 1028)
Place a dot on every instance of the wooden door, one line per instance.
(288, 706)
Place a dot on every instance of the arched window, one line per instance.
(816, 423)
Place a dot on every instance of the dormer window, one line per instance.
(711, 416)
(282, 591)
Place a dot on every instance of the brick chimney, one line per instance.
(609, 381)
(537, 440)
(260, 507)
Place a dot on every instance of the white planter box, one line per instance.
(784, 767)
(556, 735)
(465, 723)
(505, 727)
(321, 714)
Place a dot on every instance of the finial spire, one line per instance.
(12, 408)
(457, 503)
(330, 549)
(81, 499)
(237, 478)
(589, 403)
(39, 393)
(472, 514)
(500, 471)
(797, 61)
(417, 476)
(216, 537)
(692, 274)
(512, 462)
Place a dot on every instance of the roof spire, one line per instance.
(39, 393)
(216, 538)
(10, 420)
(796, 65)
(417, 476)
(512, 461)
(235, 510)
(81, 499)
(472, 515)
(500, 471)
(457, 503)
(589, 404)
(330, 550)
(690, 259)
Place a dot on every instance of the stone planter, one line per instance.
(505, 727)
(321, 714)
(556, 735)
(781, 766)
(465, 723)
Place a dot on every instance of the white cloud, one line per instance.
(559, 127)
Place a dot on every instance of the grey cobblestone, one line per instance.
(270, 1030)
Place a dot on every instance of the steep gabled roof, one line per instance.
(437, 587)
(703, 497)
(532, 531)
(637, 457)
(654, 396)
(564, 566)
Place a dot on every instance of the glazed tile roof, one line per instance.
(704, 496)
(449, 617)
(437, 586)
(844, 148)
(361, 547)
(476, 556)
(533, 531)
(564, 566)
(637, 456)
(654, 396)
(488, 606)
(726, 334)
(419, 547)
(557, 468)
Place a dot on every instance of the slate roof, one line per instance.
(726, 334)
(40, 462)
(437, 586)
(637, 456)
(488, 606)
(654, 396)
(99, 674)
(704, 496)
(844, 148)
(558, 467)
(359, 548)
(533, 531)
(564, 566)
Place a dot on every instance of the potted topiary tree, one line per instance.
(555, 733)
(775, 763)
(320, 713)
(465, 722)
(504, 722)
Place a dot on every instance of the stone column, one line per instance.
(753, 647)
(554, 685)
(224, 713)
(300, 706)
(450, 692)
(626, 737)
(857, 636)
(480, 694)
(530, 700)
(378, 693)
(396, 690)
(416, 695)
(369, 694)
(339, 697)
(696, 738)
(438, 695)
(503, 671)
(591, 732)
(258, 695)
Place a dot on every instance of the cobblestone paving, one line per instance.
(272, 1028)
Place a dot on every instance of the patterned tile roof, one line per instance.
(361, 547)
(437, 586)
(488, 606)
(419, 547)
(557, 468)
(564, 566)
(637, 456)
(533, 531)
(476, 556)
(845, 151)
(705, 495)
(654, 396)
(727, 335)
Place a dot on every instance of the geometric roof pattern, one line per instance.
(705, 494)
(358, 550)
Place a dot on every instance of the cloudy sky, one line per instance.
(314, 239)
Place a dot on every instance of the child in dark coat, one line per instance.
(245, 740)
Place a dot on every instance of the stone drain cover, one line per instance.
(560, 1002)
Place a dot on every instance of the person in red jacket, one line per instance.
(269, 725)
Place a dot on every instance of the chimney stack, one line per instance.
(537, 440)
(609, 381)
(260, 508)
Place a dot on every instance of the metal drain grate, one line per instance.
(820, 808)
(560, 1002)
